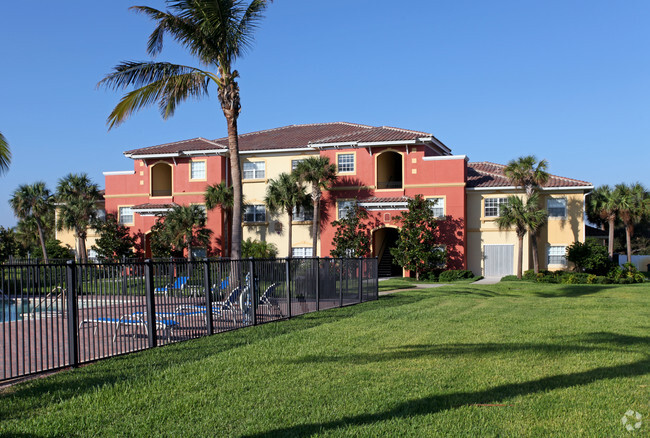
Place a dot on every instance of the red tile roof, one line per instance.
(486, 174)
(289, 137)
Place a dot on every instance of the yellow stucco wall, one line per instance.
(483, 231)
(274, 230)
(69, 238)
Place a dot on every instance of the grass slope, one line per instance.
(510, 359)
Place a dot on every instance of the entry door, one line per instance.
(498, 260)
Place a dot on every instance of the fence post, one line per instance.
(71, 313)
(208, 295)
(360, 279)
(151, 306)
(341, 281)
(317, 275)
(253, 292)
(288, 286)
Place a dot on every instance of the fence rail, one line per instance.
(65, 314)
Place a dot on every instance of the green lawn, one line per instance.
(511, 359)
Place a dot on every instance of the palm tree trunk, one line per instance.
(628, 241)
(81, 244)
(520, 256)
(533, 243)
(316, 223)
(226, 233)
(610, 243)
(42, 239)
(290, 231)
(235, 171)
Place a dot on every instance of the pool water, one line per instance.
(12, 311)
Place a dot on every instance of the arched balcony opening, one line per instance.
(390, 170)
(161, 180)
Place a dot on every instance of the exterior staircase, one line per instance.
(385, 266)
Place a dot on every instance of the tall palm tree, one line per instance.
(603, 205)
(184, 226)
(526, 172)
(284, 194)
(77, 197)
(319, 173)
(220, 195)
(217, 32)
(5, 154)
(33, 202)
(633, 205)
(522, 215)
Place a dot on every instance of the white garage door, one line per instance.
(498, 260)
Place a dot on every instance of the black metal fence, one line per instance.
(64, 314)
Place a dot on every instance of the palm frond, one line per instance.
(249, 22)
(5, 154)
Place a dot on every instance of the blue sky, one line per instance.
(568, 81)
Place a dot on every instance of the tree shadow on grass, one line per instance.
(140, 366)
(497, 394)
(574, 291)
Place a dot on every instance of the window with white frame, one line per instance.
(294, 163)
(254, 170)
(255, 213)
(493, 206)
(556, 255)
(556, 207)
(345, 163)
(303, 213)
(302, 252)
(197, 170)
(126, 215)
(437, 206)
(345, 207)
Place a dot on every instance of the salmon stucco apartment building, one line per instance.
(379, 168)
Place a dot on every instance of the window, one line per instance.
(294, 163)
(302, 252)
(438, 206)
(255, 213)
(556, 207)
(126, 215)
(197, 170)
(557, 255)
(254, 170)
(344, 208)
(303, 214)
(345, 163)
(493, 206)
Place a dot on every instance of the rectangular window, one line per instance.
(303, 214)
(197, 170)
(254, 170)
(557, 255)
(126, 215)
(294, 163)
(345, 163)
(493, 206)
(344, 208)
(556, 207)
(255, 213)
(302, 252)
(437, 206)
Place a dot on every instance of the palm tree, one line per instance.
(284, 194)
(5, 154)
(77, 197)
(526, 172)
(220, 195)
(33, 202)
(603, 206)
(217, 32)
(522, 215)
(633, 205)
(319, 172)
(185, 225)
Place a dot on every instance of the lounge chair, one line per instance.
(167, 325)
(179, 284)
(268, 299)
(219, 307)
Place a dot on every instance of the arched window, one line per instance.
(161, 180)
(389, 170)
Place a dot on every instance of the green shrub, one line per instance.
(510, 278)
(590, 257)
(455, 274)
(628, 272)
